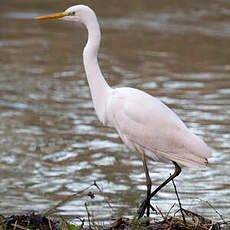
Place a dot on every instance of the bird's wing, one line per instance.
(147, 125)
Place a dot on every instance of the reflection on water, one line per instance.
(52, 144)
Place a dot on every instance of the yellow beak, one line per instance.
(52, 16)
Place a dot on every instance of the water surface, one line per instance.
(51, 143)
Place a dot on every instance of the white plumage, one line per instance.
(144, 123)
(148, 126)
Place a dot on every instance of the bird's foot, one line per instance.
(145, 205)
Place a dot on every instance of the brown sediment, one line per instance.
(38, 222)
(28, 221)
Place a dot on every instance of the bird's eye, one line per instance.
(71, 13)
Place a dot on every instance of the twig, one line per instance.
(19, 226)
(68, 198)
(196, 216)
(196, 223)
(50, 227)
(210, 227)
(164, 217)
(82, 222)
(210, 205)
(88, 215)
(179, 201)
(171, 209)
(15, 224)
(96, 185)
(64, 222)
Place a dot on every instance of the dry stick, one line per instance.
(68, 198)
(196, 216)
(221, 216)
(170, 209)
(15, 224)
(96, 185)
(19, 226)
(63, 222)
(179, 201)
(162, 215)
(196, 224)
(50, 228)
(88, 215)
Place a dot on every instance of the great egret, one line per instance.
(144, 123)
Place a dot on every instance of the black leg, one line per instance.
(148, 184)
(146, 203)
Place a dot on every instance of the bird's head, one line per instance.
(78, 13)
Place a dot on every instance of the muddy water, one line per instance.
(51, 143)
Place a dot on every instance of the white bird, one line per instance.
(144, 123)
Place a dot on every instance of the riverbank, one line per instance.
(192, 221)
(180, 219)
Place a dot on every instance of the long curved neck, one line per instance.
(99, 88)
